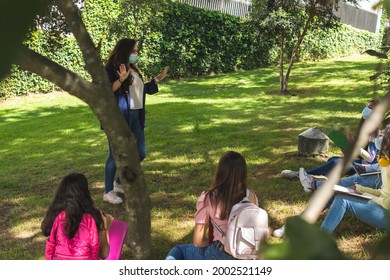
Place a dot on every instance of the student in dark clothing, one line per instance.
(130, 91)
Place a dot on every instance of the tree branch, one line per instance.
(55, 73)
(90, 52)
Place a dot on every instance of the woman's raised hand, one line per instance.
(163, 74)
(123, 73)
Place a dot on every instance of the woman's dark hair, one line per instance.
(385, 146)
(229, 185)
(74, 198)
(120, 55)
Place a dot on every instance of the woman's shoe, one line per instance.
(289, 174)
(306, 180)
(118, 188)
(112, 197)
(279, 233)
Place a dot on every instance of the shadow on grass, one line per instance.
(188, 128)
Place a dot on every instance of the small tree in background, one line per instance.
(305, 240)
(288, 22)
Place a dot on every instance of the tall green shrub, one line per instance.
(65, 53)
(342, 40)
(199, 41)
(190, 40)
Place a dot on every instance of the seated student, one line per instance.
(370, 181)
(227, 189)
(373, 212)
(310, 182)
(76, 230)
(367, 155)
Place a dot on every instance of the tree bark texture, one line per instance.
(281, 65)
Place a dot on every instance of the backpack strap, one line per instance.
(248, 192)
(210, 232)
(217, 227)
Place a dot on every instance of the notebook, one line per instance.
(354, 164)
(340, 189)
(117, 234)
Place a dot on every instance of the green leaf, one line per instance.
(376, 54)
(386, 5)
(15, 19)
(304, 241)
(385, 49)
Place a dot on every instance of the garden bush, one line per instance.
(192, 41)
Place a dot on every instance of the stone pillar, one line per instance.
(312, 142)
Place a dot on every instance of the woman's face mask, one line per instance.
(378, 142)
(366, 113)
(133, 58)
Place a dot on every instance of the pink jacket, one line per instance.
(83, 246)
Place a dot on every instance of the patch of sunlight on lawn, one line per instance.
(97, 185)
(177, 230)
(27, 229)
(342, 83)
(15, 200)
(178, 160)
(355, 246)
(281, 210)
(156, 172)
(229, 121)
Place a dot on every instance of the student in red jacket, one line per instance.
(76, 230)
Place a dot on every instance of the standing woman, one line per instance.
(130, 90)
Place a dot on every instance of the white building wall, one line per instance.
(239, 8)
(364, 17)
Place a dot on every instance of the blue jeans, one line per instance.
(365, 210)
(110, 168)
(190, 252)
(327, 167)
(371, 181)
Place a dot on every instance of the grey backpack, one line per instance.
(247, 227)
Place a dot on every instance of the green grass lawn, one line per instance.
(190, 124)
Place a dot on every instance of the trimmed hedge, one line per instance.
(21, 82)
(341, 41)
(193, 42)
(199, 41)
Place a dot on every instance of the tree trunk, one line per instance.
(99, 97)
(386, 37)
(296, 47)
(281, 65)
